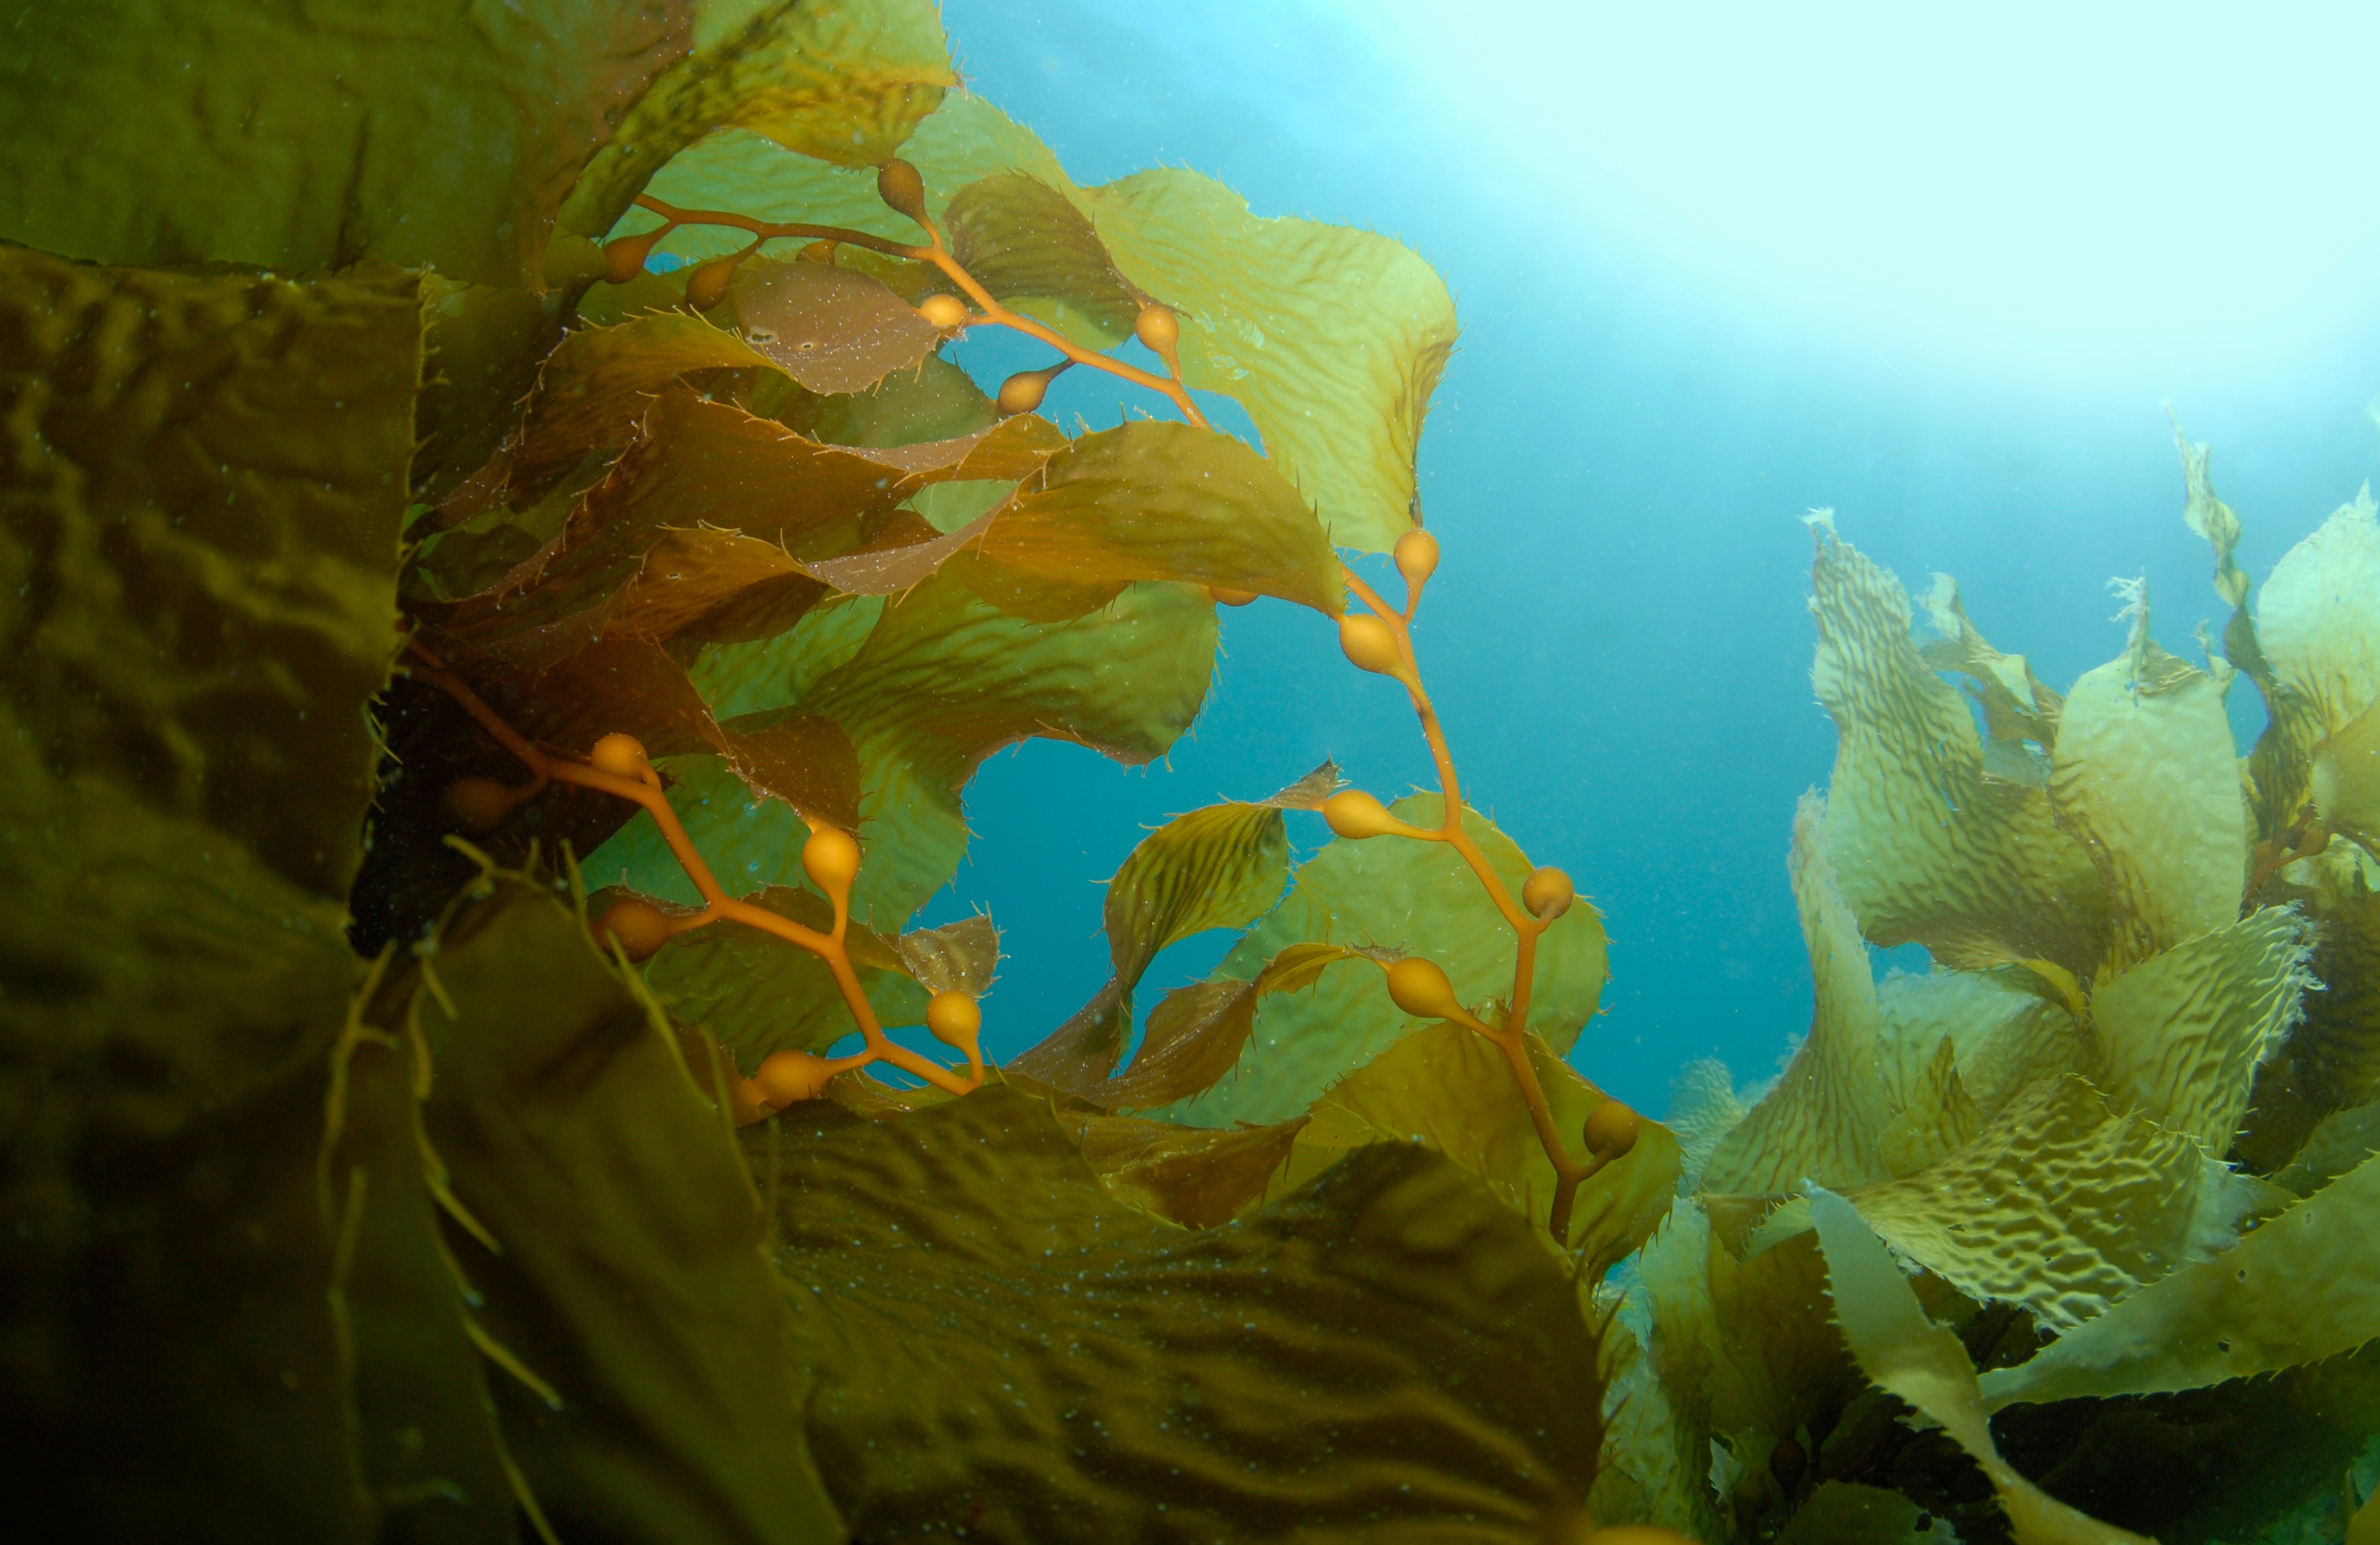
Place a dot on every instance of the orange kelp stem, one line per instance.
(1156, 326)
(1380, 640)
(831, 859)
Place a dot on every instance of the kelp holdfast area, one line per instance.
(508, 586)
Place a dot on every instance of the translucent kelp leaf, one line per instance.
(692, 462)
(2181, 1035)
(1023, 240)
(1194, 1036)
(1854, 1103)
(410, 132)
(1657, 1462)
(2148, 779)
(1219, 867)
(833, 329)
(2332, 1058)
(941, 683)
(594, 389)
(1331, 338)
(715, 586)
(956, 956)
(2318, 616)
(1924, 1364)
(2296, 1291)
(1446, 1087)
(756, 994)
(806, 761)
(1186, 1175)
(2346, 782)
(1152, 499)
(625, 686)
(1001, 1346)
(1745, 1347)
(2062, 1205)
(628, 1280)
(756, 676)
(2009, 1033)
(842, 83)
(248, 493)
(1703, 1107)
(1925, 848)
(1845, 1513)
(2339, 1142)
(2017, 707)
(1393, 894)
(935, 401)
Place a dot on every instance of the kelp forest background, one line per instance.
(508, 586)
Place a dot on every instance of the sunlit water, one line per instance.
(1712, 274)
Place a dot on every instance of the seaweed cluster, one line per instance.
(2115, 1141)
(509, 592)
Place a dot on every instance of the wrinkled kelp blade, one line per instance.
(1446, 1087)
(846, 83)
(1001, 1346)
(1826, 1116)
(1159, 500)
(2298, 1289)
(756, 992)
(1924, 1364)
(940, 682)
(412, 132)
(629, 1278)
(1331, 338)
(2062, 1204)
(1417, 897)
(1219, 867)
(2181, 1035)
(2146, 778)
(1924, 849)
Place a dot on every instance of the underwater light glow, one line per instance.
(2078, 181)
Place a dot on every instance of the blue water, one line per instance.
(1617, 465)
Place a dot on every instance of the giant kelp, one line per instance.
(2102, 1164)
(507, 484)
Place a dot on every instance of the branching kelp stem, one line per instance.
(1382, 642)
(1159, 334)
(632, 778)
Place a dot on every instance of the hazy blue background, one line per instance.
(1715, 266)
